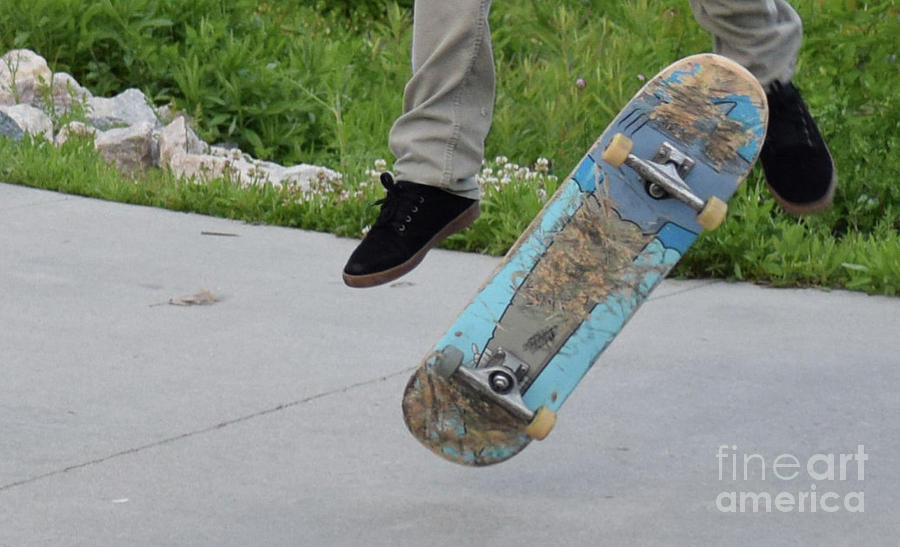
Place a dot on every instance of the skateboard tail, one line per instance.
(457, 426)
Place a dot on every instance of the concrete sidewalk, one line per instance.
(272, 417)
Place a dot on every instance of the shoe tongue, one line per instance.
(395, 204)
(387, 181)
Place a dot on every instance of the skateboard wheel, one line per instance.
(713, 213)
(448, 361)
(617, 151)
(540, 426)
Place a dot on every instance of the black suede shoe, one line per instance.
(798, 166)
(413, 219)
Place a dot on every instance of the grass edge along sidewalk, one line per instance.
(551, 69)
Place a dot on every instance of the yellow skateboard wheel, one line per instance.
(447, 361)
(713, 213)
(543, 422)
(617, 151)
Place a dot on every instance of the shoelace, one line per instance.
(787, 110)
(398, 206)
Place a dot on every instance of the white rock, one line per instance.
(195, 144)
(228, 152)
(177, 147)
(301, 175)
(130, 148)
(21, 73)
(127, 108)
(172, 141)
(10, 127)
(166, 114)
(71, 129)
(29, 119)
(177, 138)
(249, 172)
(200, 168)
(66, 92)
(127, 129)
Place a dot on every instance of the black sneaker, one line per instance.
(413, 219)
(798, 166)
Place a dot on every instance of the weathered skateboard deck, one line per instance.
(610, 234)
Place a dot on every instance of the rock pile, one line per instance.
(127, 130)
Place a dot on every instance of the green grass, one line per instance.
(310, 81)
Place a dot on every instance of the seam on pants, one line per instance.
(450, 151)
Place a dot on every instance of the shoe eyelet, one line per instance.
(421, 199)
(408, 218)
(415, 209)
(401, 228)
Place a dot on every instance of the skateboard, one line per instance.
(659, 175)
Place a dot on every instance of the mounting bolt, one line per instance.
(656, 191)
(501, 382)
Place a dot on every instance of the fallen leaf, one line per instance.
(202, 298)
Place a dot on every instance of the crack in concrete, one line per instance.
(261, 413)
(205, 430)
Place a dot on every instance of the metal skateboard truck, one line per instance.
(664, 178)
(499, 381)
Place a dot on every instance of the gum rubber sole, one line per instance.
(463, 221)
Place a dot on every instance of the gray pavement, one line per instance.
(272, 417)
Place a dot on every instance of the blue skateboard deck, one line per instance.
(586, 263)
